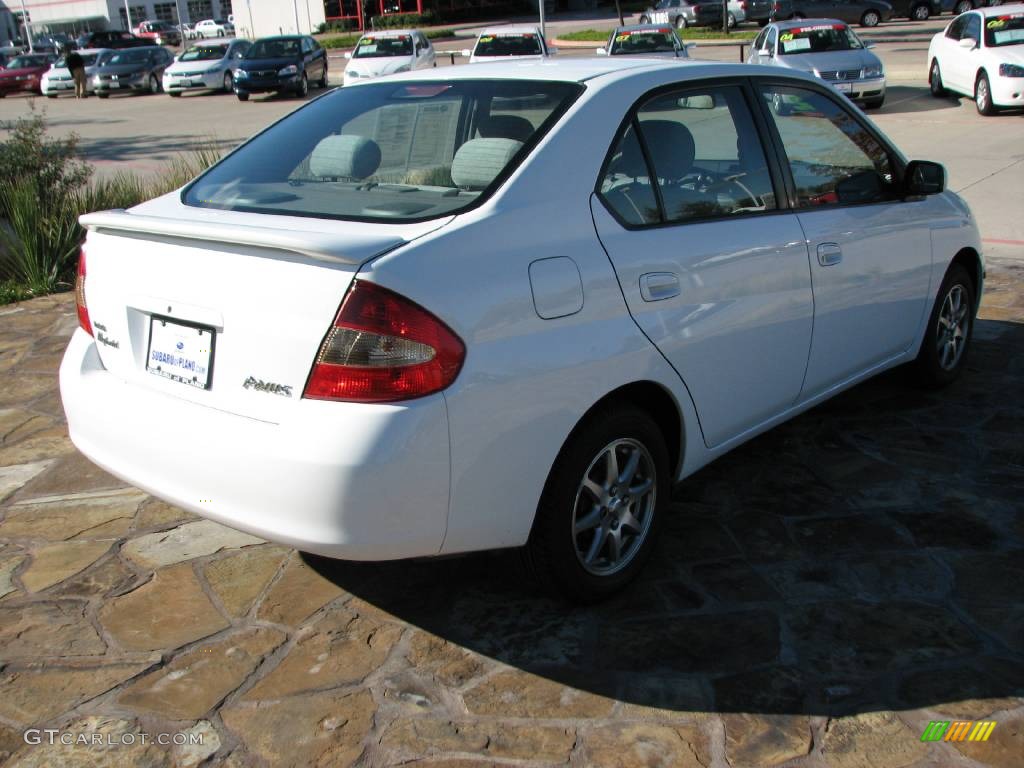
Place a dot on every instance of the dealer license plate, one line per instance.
(844, 87)
(180, 352)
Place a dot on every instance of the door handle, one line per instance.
(829, 254)
(657, 286)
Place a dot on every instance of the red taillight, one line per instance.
(382, 348)
(83, 310)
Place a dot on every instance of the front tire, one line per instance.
(303, 91)
(600, 511)
(935, 80)
(731, 21)
(950, 325)
(154, 85)
(983, 97)
(870, 19)
(242, 96)
(322, 82)
(920, 13)
(680, 22)
(645, 20)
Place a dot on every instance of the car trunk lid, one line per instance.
(222, 308)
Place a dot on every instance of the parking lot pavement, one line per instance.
(819, 596)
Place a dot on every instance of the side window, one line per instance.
(705, 157)
(306, 47)
(973, 28)
(626, 186)
(956, 29)
(770, 42)
(759, 40)
(832, 157)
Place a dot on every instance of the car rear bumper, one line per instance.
(347, 480)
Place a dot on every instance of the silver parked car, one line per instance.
(826, 48)
(657, 40)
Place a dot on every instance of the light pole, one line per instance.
(543, 32)
(28, 32)
(127, 15)
(295, 8)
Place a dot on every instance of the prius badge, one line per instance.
(267, 386)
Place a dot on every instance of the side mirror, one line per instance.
(689, 45)
(465, 52)
(552, 51)
(348, 54)
(765, 52)
(601, 52)
(869, 46)
(968, 42)
(924, 177)
(175, 58)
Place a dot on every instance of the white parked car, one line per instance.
(57, 79)
(509, 306)
(512, 42)
(206, 66)
(655, 40)
(214, 28)
(388, 53)
(981, 54)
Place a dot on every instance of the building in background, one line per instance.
(75, 16)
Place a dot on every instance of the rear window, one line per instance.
(388, 151)
(508, 44)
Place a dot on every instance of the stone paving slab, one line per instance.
(820, 595)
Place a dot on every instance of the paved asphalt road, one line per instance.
(984, 156)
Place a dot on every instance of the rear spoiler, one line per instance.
(337, 249)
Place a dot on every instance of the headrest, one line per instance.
(507, 127)
(671, 147)
(479, 161)
(346, 157)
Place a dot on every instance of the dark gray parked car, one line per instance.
(132, 69)
(684, 13)
(282, 64)
(867, 13)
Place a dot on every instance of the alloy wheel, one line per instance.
(614, 507)
(953, 325)
(870, 19)
(228, 81)
(921, 13)
(154, 84)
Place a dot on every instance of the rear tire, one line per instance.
(103, 95)
(154, 85)
(763, 22)
(303, 90)
(962, 7)
(920, 13)
(51, 95)
(870, 19)
(680, 22)
(242, 96)
(950, 326)
(935, 80)
(174, 94)
(229, 82)
(798, 17)
(597, 519)
(645, 20)
(322, 82)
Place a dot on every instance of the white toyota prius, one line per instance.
(509, 307)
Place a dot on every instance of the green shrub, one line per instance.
(39, 244)
(403, 20)
(51, 166)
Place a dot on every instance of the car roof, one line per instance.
(642, 28)
(94, 50)
(795, 23)
(278, 37)
(1001, 10)
(513, 28)
(602, 69)
(391, 33)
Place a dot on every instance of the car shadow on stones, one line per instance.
(865, 556)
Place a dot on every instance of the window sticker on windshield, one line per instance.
(421, 91)
(487, 39)
(816, 28)
(799, 44)
(516, 35)
(621, 38)
(1008, 36)
(368, 48)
